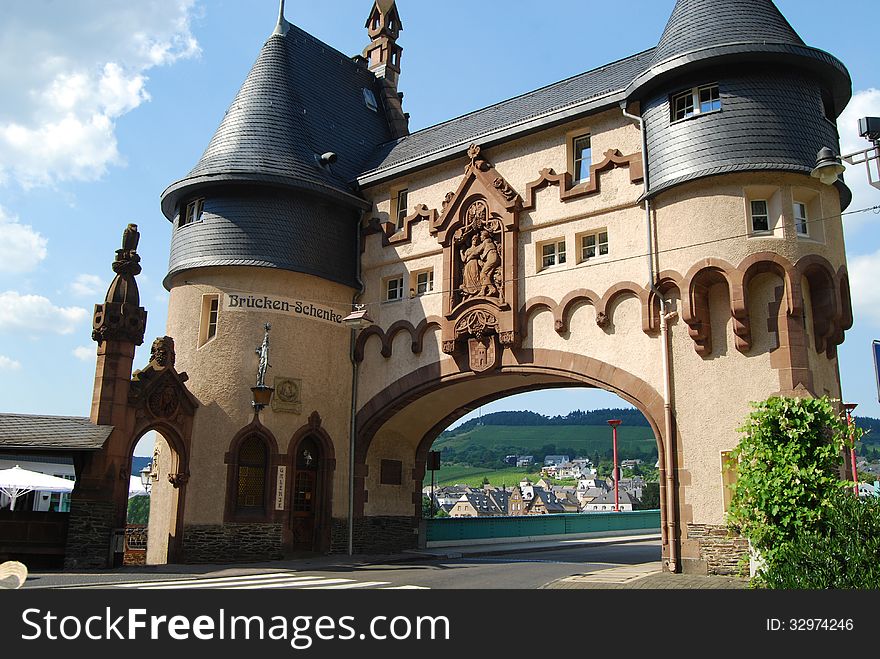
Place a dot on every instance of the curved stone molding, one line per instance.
(567, 191)
(666, 282)
(417, 334)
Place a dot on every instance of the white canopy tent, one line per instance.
(17, 481)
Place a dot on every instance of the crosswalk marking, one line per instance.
(273, 580)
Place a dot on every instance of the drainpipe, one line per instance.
(352, 436)
(667, 532)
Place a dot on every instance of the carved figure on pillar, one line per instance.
(121, 317)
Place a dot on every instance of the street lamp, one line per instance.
(829, 167)
(356, 321)
(147, 478)
(849, 407)
(614, 423)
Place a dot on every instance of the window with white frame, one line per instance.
(393, 289)
(801, 222)
(192, 212)
(698, 100)
(582, 158)
(423, 282)
(594, 244)
(400, 206)
(760, 215)
(552, 253)
(210, 313)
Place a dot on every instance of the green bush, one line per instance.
(787, 464)
(842, 551)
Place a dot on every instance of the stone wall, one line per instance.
(89, 532)
(720, 549)
(231, 543)
(375, 535)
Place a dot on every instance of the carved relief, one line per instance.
(288, 395)
(482, 354)
(163, 402)
(478, 230)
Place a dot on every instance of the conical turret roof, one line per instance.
(301, 99)
(703, 33)
(697, 24)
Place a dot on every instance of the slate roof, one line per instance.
(51, 433)
(301, 99)
(696, 24)
(704, 32)
(586, 92)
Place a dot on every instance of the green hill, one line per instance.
(530, 439)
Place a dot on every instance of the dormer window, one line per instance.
(192, 212)
(691, 102)
(370, 100)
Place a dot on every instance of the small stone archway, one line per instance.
(154, 398)
(450, 395)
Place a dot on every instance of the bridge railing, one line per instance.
(465, 530)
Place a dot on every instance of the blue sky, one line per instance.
(106, 103)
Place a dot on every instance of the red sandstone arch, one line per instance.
(695, 305)
(561, 369)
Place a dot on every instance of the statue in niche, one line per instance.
(481, 260)
(470, 275)
(490, 261)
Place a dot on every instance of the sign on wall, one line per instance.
(282, 305)
(280, 487)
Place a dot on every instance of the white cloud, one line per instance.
(21, 248)
(85, 68)
(88, 285)
(865, 103)
(32, 314)
(84, 353)
(864, 273)
(7, 364)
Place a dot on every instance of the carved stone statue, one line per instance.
(263, 352)
(490, 260)
(162, 352)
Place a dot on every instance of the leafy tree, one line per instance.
(138, 510)
(787, 463)
(650, 497)
(841, 552)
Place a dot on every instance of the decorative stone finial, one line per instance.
(121, 317)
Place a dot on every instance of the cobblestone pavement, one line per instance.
(643, 577)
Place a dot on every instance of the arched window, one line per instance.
(251, 476)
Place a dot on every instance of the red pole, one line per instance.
(614, 423)
(849, 407)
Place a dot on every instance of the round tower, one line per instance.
(265, 230)
(734, 107)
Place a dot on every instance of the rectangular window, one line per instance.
(552, 254)
(710, 98)
(394, 289)
(424, 282)
(760, 215)
(594, 244)
(193, 212)
(210, 313)
(582, 158)
(800, 219)
(698, 100)
(683, 106)
(400, 208)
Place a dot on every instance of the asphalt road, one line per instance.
(516, 569)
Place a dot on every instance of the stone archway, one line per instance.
(400, 423)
